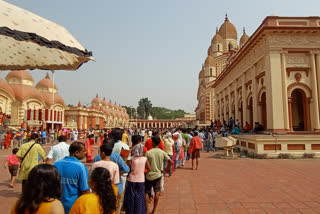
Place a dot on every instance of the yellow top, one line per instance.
(125, 138)
(43, 209)
(89, 204)
(31, 160)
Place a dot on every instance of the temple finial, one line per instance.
(226, 17)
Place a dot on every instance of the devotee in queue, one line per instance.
(59, 151)
(41, 192)
(156, 158)
(102, 200)
(194, 149)
(28, 154)
(134, 198)
(71, 170)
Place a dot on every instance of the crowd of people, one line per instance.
(127, 174)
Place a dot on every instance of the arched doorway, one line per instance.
(250, 109)
(299, 111)
(264, 110)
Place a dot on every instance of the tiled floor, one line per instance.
(244, 186)
(226, 186)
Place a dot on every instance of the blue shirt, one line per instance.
(116, 158)
(44, 134)
(74, 180)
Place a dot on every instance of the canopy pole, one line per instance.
(52, 101)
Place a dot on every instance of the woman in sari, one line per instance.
(89, 149)
(8, 140)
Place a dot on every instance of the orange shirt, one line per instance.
(148, 145)
(195, 143)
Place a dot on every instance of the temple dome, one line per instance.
(23, 92)
(96, 99)
(104, 102)
(228, 30)
(6, 87)
(210, 61)
(150, 117)
(46, 83)
(20, 75)
(201, 74)
(47, 97)
(210, 49)
(217, 38)
(244, 38)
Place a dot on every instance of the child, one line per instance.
(13, 163)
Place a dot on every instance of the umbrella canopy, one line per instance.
(28, 41)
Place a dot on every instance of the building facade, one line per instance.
(37, 106)
(101, 114)
(274, 77)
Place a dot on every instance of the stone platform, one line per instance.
(271, 146)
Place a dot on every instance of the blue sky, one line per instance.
(149, 48)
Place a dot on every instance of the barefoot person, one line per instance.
(156, 158)
(194, 148)
(12, 163)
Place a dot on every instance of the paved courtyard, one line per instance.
(226, 186)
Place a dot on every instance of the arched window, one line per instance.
(211, 72)
(218, 47)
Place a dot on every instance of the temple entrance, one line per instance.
(299, 111)
(263, 110)
(250, 109)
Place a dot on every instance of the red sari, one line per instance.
(89, 150)
(8, 141)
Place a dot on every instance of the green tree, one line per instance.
(132, 112)
(144, 108)
(164, 113)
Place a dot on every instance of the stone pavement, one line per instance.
(243, 186)
(225, 186)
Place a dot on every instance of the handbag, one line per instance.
(26, 154)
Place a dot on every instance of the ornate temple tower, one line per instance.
(223, 44)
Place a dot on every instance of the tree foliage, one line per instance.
(144, 108)
(132, 112)
(164, 113)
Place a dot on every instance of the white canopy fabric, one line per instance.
(28, 41)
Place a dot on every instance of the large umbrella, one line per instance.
(28, 41)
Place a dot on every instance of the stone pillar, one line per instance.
(318, 72)
(224, 106)
(88, 122)
(254, 95)
(284, 90)
(290, 113)
(230, 103)
(244, 100)
(275, 114)
(67, 120)
(236, 106)
(315, 107)
(79, 122)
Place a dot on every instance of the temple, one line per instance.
(271, 77)
(42, 107)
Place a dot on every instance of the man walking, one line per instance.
(74, 175)
(58, 151)
(156, 158)
(28, 155)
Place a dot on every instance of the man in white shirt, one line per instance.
(59, 151)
